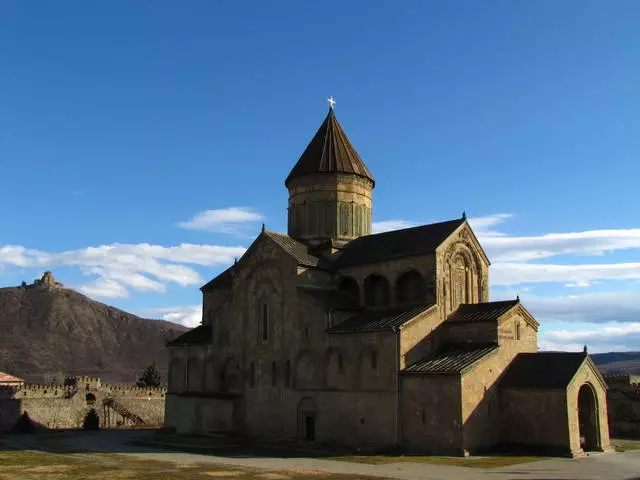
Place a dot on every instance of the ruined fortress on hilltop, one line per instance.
(47, 281)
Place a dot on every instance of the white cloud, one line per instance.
(579, 284)
(122, 266)
(590, 242)
(105, 288)
(597, 338)
(188, 315)
(514, 273)
(482, 225)
(224, 220)
(388, 225)
(595, 308)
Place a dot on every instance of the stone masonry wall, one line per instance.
(63, 406)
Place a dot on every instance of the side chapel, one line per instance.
(336, 335)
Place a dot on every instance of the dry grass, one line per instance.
(36, 465)
(472, 462)
(622, 445)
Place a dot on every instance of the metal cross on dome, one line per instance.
(332, 102)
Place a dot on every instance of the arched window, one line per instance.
(90, 398)
(336, 377)
(459, 273)
(410, 288)
(264, 322)
(345, 219)
(517, 331)
(376, 291)
(350, 287)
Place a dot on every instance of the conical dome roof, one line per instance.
(330, 151)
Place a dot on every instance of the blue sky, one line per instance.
(142, 144)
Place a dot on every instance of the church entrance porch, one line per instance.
(307, 417)
(588, 419)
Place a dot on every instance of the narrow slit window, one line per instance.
(274, 374)
(287, 373)
(265, 322)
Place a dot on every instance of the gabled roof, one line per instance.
(6, 378)
(380, 319)
(397, 243)
(481, 312)
(200, 335)
(330, 151)
(451, 359)
(223, 280)
(296, 249)
(545, 370)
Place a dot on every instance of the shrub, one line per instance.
(24, 424)
(91, 420)
(150, 377)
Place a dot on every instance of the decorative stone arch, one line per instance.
(410, 287)
(308, 371)
(377, 291)
(463, 276)
(368, 368)
(265, 284)
(588, 418)
(349, 286)
(307, 413)
(176, 376)
(336, 369)
(211, 375)
(195, 375)
(230, 375)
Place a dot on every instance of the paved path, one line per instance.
(609, 466)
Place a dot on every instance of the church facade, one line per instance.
(333, 335)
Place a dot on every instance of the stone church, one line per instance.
(333, 335)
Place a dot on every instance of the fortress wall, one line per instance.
(64, 406)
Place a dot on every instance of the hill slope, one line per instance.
(48, 333)
(617, 362)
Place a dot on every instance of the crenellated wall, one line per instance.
(65, 405)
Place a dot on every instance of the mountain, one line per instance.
(617, 362)
(48, 331)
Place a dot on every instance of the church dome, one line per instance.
(329, 190)
(330, 151)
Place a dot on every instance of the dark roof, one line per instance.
(451, 359)
(197, 336)
(481, 312)
(295, 248)
(379, 319)
(331, 298)
(397, 243)
(330, 151)
(223, 280)
(553, 370)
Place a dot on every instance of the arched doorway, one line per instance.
(307, 419)
(588, 418)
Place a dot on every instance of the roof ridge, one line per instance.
(415, 227)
